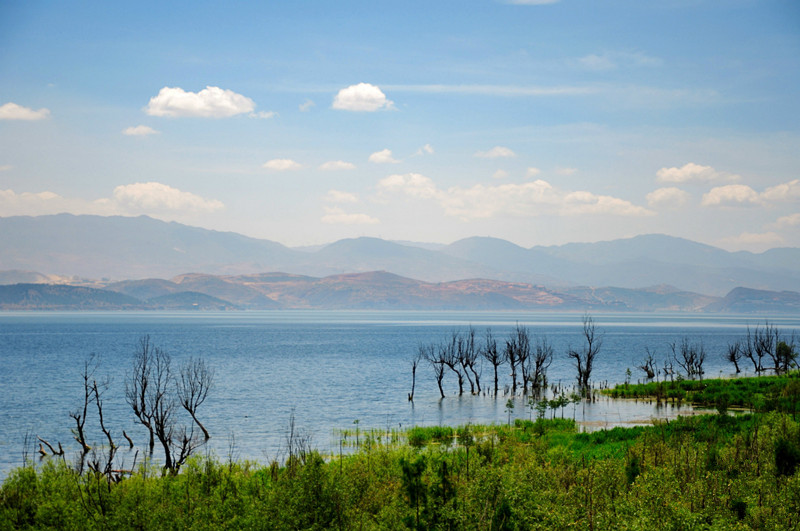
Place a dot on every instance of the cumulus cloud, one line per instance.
(754, 240)
(333, 165)
(152, 196)
(337, 216)
(337, 196)
(138, 198)
(211, 102)
(731, 195)
(282, 165)
(693, 172)
(427, 149)
(792, 220)
(532, 172)
(785, 192)
(306, 106)
(139, 130)
(667, 198)
(363, 97)
(496, 153)
(12, 111)
(527, 199)
(500, 174)
(383, 156)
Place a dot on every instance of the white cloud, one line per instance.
(211, 102)
(614, 60)
(783, 192)
(500, 174)
(337, 216)
(754, 241)
(362, 97)
(792, 220)
(306, 106)
(670, 197)
(532, 172)
(413, 184)
(427, 149)
(337, 196)
(139, 130)
(524, 200)
(333, 165)
(12, 111)
(597, 62)
(282, 165)
(693, 172)
(383, 156)
(496, 153)
(731, 194)
(154, 196)
(138, 198)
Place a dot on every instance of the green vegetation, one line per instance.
(700, 472)
(762, 393)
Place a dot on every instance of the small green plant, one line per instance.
(509, 409)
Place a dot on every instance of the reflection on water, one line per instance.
(329, 368)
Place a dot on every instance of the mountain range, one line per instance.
(117, 253)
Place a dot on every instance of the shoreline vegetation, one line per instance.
(721, 471)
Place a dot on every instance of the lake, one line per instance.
(328, 368)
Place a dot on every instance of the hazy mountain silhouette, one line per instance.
(120, 248)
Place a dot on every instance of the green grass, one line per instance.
(698, 472)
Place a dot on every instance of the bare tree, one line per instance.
(510, 357)
(155, 394)
(138, 387)
(434, 355)
(419, 356)
(468, 355)
(196, 380)
(648, 365)
(734, 355)
(79, 415)
(450, 356)
(584, 358)
(542, 356)
(491, 354)
(690, 357)
(521, 341)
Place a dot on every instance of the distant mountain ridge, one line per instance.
(377, 290)
(119, 248)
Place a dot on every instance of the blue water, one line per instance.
(328, 368)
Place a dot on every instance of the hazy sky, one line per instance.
(538, 121)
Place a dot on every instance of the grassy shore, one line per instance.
(714, 471)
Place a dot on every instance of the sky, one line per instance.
(541, 122)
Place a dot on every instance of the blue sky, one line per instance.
(306, 122)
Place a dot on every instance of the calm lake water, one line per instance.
(330, 368)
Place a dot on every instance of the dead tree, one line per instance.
(80, 414)
(138, 387)
(155, 394)
(419, 356)
(433, 354)
(584, 358)
(510, 356)
(492, 355)
(690, 357)
(734, 355)
(468, 356)
(450, 356)
(542, 356)
(521, 340)
(194, 383)
(648, 365)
